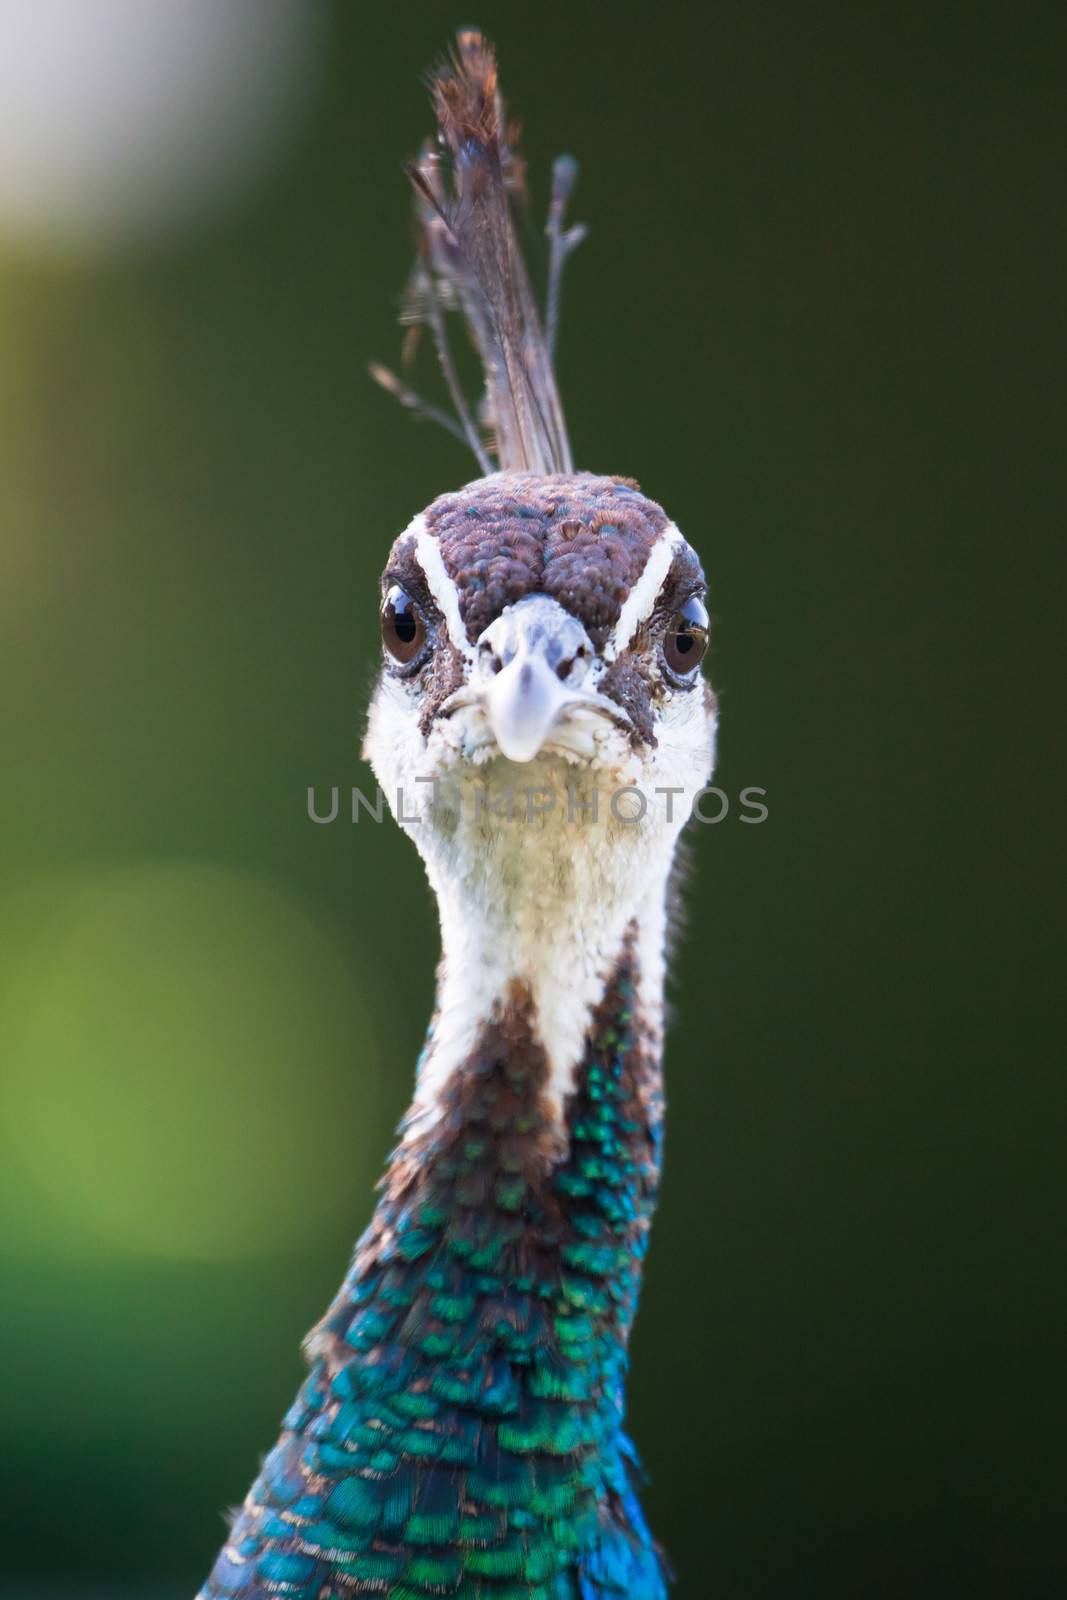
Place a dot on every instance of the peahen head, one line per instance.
(538, 615)
(542, 630)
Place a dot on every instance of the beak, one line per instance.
(530, 663)
(522, 705)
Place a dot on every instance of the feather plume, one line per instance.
(468, 261)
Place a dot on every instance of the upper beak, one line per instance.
(531, 661)
(522, 704)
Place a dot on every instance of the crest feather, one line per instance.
(468, 261)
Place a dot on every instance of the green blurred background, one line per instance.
(816, 318)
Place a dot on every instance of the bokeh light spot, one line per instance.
(174, 1038)
(124, 119)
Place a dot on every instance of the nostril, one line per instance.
(564, 669)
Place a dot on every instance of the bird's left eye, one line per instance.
(686, 638)
(403, 625)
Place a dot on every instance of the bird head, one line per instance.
(541, 627)
(542, 630)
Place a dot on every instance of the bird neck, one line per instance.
(497, 1246)
(539, 913)
(480, 1337)
(487, 1312)
(530, 1154)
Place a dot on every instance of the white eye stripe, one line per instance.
(441, 586)
(645, 592)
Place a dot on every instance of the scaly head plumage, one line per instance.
(557, 617)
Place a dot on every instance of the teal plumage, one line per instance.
(461, 1430)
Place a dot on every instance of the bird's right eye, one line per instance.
(403, 625)
(687, 638)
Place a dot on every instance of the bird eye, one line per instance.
(686, 638)
(403, 625)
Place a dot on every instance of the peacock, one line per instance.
(540, 727)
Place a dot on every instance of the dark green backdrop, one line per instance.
(815, 319)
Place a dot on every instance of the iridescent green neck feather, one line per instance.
(461, 1431)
